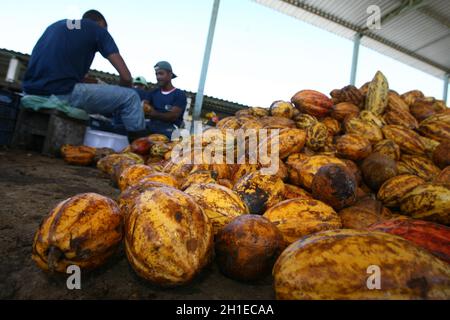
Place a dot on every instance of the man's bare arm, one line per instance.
(119, 64)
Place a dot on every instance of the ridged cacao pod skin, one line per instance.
(335, 185)
(276, 123)
(334, 265)
(291, 141)
(354, 169)
(388, 148)
(159, 149)
(429, 202)
(341, 110)
(371, 118)
(157, 137)
(168, 238)
(106, 164)
(293, 192)
(441, 155)
(312, 102)
(127, 198)
(368, 130)
(138, 158)
(141, 146)
(410, 96)
(119, 167)
(304, 121)
(160, 177)
(317, 136)
(353, 147)
(220, 204)
(436, 127)
(259, 192)
(408, 141)
(401, 117)
(220, 170)
(296, 218)
(259, 112)
(200, 176)
(247, 247)
(364, 213)
(78, 155)
(334, 127)
(443, 177)
(83, 230)
(240, 170)
(422, 109)
(364, 89)
(251, 123)
(420, 166)
(394, 189)
(282, 109)
(228, 123)
(101, 153)
(179, 168)
(308, 168)
(377, 94)
(430, 145)
(133, 174)
(376, 169)
(433, 237)
(396, 102)
(242, 112)
(226, 183)
(349, 94)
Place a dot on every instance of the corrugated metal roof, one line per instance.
(417, 32)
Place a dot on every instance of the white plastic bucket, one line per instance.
(103, 139)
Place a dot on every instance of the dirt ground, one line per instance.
(30, 186)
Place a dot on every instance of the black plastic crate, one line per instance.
(7, 125)
(9, 105)
(8, 112)
(6, 138)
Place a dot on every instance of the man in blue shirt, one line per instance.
(166, 104)
(61, 59)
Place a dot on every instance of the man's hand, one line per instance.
(148, 108)
(119, 64)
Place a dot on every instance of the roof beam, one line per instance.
(432, 42)
(436, 16)
(407, 52)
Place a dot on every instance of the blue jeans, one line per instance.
(106, 100)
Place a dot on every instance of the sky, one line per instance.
(259, 55)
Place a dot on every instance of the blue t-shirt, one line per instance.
(62, 56)
(164, 103)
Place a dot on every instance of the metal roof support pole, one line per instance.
(206, 56)
(444, 96)
(356, 43)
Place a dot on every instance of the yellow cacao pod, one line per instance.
(334, 264)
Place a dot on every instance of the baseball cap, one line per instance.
(140, 80)
(165, 66)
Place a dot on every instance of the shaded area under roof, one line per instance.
(220, 106)
(416, 32)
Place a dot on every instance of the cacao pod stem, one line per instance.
(54, 255)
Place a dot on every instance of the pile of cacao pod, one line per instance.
(362, 180)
